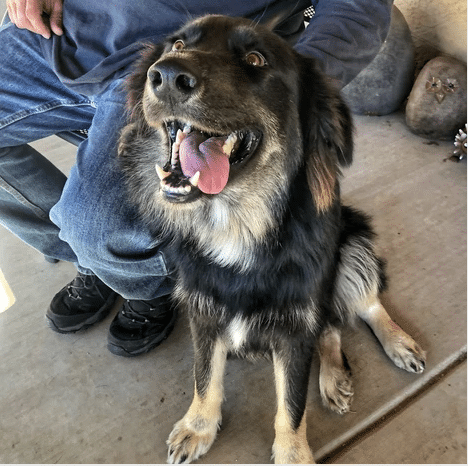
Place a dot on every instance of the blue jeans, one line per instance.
(85, 219)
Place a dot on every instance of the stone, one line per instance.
(436, 107)
(381, 87)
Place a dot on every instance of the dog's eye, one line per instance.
(178, 45)
(255, 59)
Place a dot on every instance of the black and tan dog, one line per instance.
(233, 156)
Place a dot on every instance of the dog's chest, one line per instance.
(230, 237)
(228, 251)
(237, 333)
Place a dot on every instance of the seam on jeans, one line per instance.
(41, 109)
(20, 198)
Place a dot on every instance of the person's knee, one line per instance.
(81, 224)
(101, 229)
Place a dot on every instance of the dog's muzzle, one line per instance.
(200, 160)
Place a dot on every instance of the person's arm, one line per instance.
(29, 14)
(346, 35)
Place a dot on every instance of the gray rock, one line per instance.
(436, 107)
(381, 87)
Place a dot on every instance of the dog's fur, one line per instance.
(274, 263)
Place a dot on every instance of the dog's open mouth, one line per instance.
(200, 162)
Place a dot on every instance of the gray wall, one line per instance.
(2, 8)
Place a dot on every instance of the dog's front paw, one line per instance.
(293, 452)
(336, 389)
(190, 440)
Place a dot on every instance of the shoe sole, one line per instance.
(101, 314)
(121, 351)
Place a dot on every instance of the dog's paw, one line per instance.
(336, 389)
(406, 353)
(294, 453)
(186, 444)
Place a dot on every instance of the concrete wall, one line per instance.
(437, 26)
(2, 8)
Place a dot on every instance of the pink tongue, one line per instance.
(198, 154)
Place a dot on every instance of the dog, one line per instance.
(233, 155)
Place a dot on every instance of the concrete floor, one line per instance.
(66, 399)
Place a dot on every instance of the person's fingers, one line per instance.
(33, 13)
(12, 11)
(56, 17)
(29, 14)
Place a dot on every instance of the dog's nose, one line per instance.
(174, 78)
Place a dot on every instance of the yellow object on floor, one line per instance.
(7, 298)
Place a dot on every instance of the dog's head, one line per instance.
(235, 107)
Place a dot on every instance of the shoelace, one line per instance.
(135, 316)
(81, 282)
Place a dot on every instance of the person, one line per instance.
(62, 65)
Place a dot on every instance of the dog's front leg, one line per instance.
(194, 434)
(291, 380)
(336, 388)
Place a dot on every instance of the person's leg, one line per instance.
(101, 225)
(93, 212)
(96, 217)
(34, 104)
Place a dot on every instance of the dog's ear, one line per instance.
(327, 133)
(136, 80)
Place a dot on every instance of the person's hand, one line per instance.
(43, 17)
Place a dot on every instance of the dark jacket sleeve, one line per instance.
(345, 35)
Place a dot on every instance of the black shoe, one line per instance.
(140, 326)
(80, 304)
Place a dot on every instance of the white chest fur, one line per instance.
(238, 331)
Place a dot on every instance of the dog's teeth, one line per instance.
(176, 189)
(175, 154)
(229, 144)
(194, 179)
(187, 129)
(161, 173)
(180, 136)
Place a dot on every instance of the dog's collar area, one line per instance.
(200, 162)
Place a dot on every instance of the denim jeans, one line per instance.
(85, 219)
